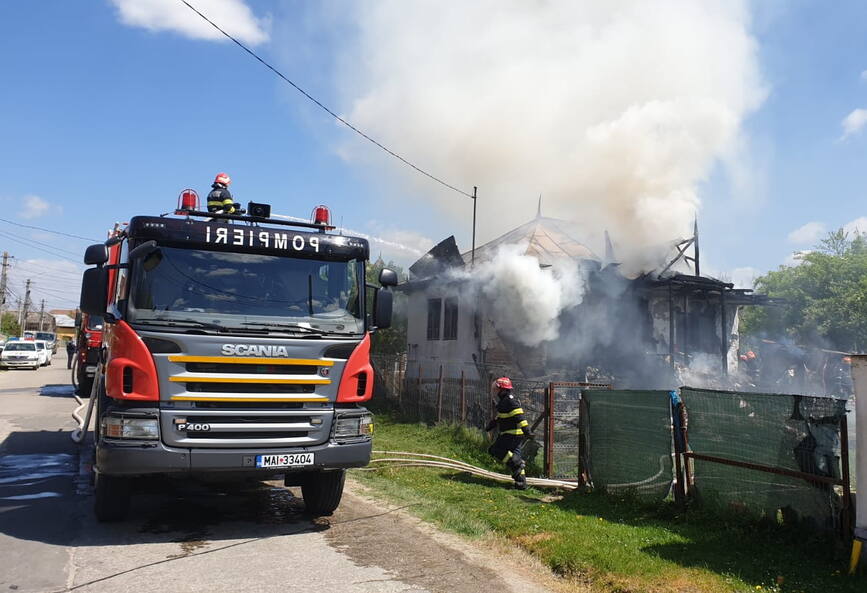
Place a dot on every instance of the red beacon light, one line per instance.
(188, 201)
(322, 215)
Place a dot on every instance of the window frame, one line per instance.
(434, 318)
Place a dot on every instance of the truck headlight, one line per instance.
(120, 427)
(353, 426)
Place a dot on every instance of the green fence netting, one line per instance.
(790, 432)
(628, 441)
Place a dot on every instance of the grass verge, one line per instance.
(612, 544)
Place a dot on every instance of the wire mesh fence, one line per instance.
(776, 456)
(629, 442)
(781, 457)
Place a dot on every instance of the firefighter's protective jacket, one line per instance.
(221, 198)
(510, 416)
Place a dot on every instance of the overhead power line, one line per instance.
(326, 109)
(48, 245)
(53, 253)
(39, 228)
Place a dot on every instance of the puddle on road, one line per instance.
(23, 468)
(56, 390)
(190, 513)
(33, 496)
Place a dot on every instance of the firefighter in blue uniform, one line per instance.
(220, 199)
(513, 429)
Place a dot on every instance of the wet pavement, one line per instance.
(183, 536)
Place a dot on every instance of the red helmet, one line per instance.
(223, 178)
(503, 383)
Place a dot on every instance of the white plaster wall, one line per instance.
(859, 376)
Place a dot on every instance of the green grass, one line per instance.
(614, 544)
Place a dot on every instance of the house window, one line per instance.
(434, 310)
(450, 319)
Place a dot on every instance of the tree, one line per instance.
(392, 340)
(9, 325)
(825, 297)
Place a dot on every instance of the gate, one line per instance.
(562, 434)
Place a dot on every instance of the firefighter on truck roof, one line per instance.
(513, 429)
(220, 198)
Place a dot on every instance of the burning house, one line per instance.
(536, 302)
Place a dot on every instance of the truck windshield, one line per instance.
(44, 336)
(244, 291)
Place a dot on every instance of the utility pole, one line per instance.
(473, 256)
(4, 275)
(20, 310)
(41, 313)
(26, 308)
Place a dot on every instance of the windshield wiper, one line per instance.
(289, 326)
(183, 322)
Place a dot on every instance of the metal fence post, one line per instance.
(418, 393)
(440, 396)
(549, 431)
(679, 450)
(463, 398)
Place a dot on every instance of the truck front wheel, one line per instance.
(322, 492)
(85, 384)
(111, 498)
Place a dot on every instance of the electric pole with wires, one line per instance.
(3, 278)
(41, 313)
(26, 308)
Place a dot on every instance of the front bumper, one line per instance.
(138, 458)
(21, 363)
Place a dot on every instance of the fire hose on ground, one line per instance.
(78, 435)
(397, 459)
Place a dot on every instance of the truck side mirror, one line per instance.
(96, 255)
(94, 291)
(382, 307)
(387, 277)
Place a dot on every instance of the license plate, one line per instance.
(289, 460)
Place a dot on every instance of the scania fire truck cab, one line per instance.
(234, 347)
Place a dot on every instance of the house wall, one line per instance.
(455, 355)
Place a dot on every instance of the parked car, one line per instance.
(44, 352)
(20, 354)
(50, 339)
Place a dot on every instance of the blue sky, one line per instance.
(103, 117)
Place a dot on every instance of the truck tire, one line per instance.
(111, 498)
(322, 492)
(85, 384)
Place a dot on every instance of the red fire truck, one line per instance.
(88, 343)
(234, 346)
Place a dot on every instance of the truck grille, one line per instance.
(246, 428)
(198, 387)
(257, 369)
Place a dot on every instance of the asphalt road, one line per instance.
(190, 537)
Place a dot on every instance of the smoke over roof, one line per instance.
(615, 111)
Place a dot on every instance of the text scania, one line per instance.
(266, 350)
(255, 238)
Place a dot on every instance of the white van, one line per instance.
(44, 352)
(20, 354)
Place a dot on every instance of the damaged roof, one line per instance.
(547, 240)
(442, 256)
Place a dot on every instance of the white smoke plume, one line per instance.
(614, 111)
(526, 300)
